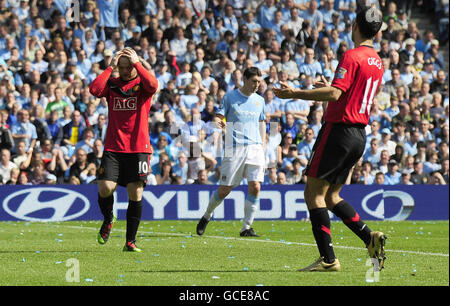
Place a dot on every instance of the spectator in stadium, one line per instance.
(87, 142)
(13, 177)
(295, 175)
(395, 82)
(23, 129)
(290, 126)
(406, 178)
(418, 176)
(386, 143)
(284, 147)
(432, 163)
(310, 66)
(78, 163)
(180, 168)
(372, 153)
(38, 173)
(71, 133)
(367, 175)
(6, 165)
(436, 178)
(89, 174)
(100, 127)
(374, 132)
(281, 177)
(22, 158)
(382, 165)
(393, 176)
(379, 178)
(291, 156)
(305, 147)
(202, 178)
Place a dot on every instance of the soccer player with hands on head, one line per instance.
(127, 149)
(341, 140)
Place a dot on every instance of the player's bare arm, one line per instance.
(262, 132)
(321, 93)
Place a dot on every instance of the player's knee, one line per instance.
(105, 189)
(224, 191)
(254, 188)
(135, 191)
(332, 200)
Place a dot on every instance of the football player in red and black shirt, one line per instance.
(127, 149)
(342, 139)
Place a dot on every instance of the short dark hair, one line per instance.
(369, 21)
(251, 71)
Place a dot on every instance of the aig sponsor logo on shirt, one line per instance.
(125, 104)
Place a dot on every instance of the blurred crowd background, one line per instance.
(52, 129)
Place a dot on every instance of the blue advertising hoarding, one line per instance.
(188, 202)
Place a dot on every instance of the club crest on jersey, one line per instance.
(125, 104)
(136, 88)
(340, 73)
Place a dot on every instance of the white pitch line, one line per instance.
(270, 241)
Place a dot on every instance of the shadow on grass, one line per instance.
(51, 251)
(211, 271)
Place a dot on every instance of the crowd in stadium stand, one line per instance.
(52, 129)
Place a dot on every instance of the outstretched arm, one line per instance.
(322, 92)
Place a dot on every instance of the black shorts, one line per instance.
(337, 149)
(124, 168)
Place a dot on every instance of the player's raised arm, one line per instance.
(149, 81)
(98, 87)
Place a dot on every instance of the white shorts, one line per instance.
(247, 162)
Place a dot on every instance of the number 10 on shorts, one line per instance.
(143, 167)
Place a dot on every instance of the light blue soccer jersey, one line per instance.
(243, 114)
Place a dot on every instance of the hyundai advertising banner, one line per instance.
(180, 202)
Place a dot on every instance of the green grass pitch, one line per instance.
(67, 253)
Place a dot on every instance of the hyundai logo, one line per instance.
(46, 204)
(405, 210)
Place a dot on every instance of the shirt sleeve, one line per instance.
(345, 73)
(98, 87)
(262, 116)
(149, 81)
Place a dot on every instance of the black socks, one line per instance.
(351, 218)
(320, 221)
(134, 213)
(106, 207)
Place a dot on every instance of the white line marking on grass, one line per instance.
(268, 241)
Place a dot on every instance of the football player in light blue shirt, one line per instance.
(244, 110)
(244, 113)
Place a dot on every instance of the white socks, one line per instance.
(214, 201)
(251, 206)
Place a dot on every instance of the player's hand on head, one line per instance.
(131, 54)
(115, 59)
(285, 92)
